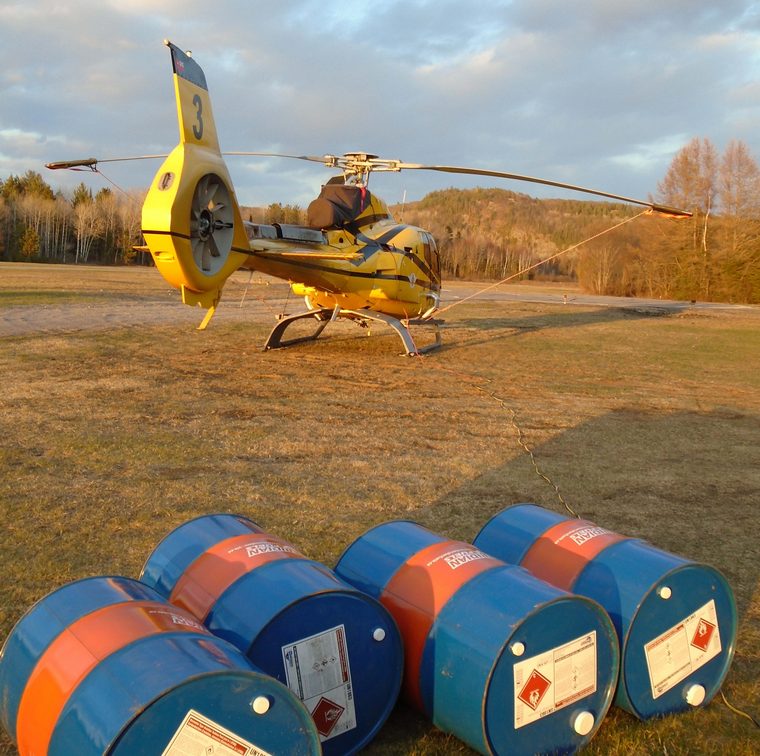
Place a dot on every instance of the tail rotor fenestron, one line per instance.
(211, 224)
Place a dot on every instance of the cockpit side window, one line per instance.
(430, 252)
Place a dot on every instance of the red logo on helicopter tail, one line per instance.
(703, 635)
(534, 689)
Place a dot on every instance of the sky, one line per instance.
(600, 93)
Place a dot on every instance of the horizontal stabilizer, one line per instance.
(291, 241)
(284, 248)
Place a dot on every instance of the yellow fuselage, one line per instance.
(382, 265)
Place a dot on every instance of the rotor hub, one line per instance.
(205, 224)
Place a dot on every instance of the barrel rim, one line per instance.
(611, 688)
(730, 648)
(373, 528)
(185, 523)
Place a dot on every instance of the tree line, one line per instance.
(481, 233)
(39, 224)
(43, 225)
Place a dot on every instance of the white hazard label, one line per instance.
(200, 735)
(554, 679)
(684, 648)
(317, 671)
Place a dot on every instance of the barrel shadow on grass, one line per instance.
(686, 482)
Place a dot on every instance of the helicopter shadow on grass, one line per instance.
(473, 330)
(510, 326)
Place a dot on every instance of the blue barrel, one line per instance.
(336, 648)
(675, 619)
(105, 665)
(504, 661)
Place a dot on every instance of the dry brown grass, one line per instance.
(648, 425)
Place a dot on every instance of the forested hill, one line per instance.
(494, 233)
(487, 232)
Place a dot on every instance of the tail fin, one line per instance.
(191, 219)
(196, 122)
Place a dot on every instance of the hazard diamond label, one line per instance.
(534, 689)
(703, 634)
(326, 715)
(317, 670)
(682, 649)
(553, 679)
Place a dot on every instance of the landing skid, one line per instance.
(323, 316)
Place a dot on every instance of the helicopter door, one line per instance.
(431, 256)
(386, 271)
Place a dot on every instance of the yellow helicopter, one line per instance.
(351, 260)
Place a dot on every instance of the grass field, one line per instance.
(649, 426)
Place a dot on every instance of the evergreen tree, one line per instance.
(30, 243)
(82, 195)
(34, 185)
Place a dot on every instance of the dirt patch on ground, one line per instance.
(37, 299)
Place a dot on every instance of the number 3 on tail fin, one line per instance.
(198, 129)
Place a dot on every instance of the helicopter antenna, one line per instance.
(403, 207)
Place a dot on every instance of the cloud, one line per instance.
(642, 157)
(598, 94)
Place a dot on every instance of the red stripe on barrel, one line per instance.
(418, 591)
(561, 553)
(76, 652)
(209, 576)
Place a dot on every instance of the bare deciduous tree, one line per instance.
(88, 226)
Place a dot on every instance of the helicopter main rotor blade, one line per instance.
(664, 209)
(360, 162)
(92, 162)
(324, 159)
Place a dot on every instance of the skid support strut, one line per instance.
(323, 316)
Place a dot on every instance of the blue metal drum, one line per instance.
(504, 661)
(675, 619)
(336, 648)
(105, 665)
